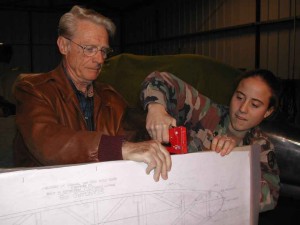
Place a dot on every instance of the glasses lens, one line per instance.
(90, 50)
(106, 52)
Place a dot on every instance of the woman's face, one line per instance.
(249, 103)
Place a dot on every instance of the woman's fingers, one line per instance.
(223, 144)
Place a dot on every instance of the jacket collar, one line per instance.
(65, 87)
(62, 82)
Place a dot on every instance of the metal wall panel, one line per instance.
(184, 17)
(223, 29)
(44, 27)
(33, 36)
(15, 30)
(280, 52)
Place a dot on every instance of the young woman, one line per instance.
(210, 126)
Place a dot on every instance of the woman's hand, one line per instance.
(223, 144)
(158, 122)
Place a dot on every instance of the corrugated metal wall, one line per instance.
(228, 30)
(33, 35)
(241, 33)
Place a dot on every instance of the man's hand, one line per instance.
(152, 153)
(158, 122)
(223, 144)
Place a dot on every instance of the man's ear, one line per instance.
(269, 112)
(62, 45)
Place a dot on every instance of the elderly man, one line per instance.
(65, 116)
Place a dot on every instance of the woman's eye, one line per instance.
(255, 105)
(239, 97)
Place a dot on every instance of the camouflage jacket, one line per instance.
(204, 119)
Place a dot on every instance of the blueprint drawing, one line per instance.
(202, 188)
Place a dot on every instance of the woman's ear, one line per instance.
(269, 112)
(62, 45)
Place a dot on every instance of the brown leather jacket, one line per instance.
(52, 129)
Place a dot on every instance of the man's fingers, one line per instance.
(160, 162)
(157, 171)
(153, 153)
(157, 168)
(164, 169)
(150, 167)
(167, 157)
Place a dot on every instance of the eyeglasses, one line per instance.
(91, 50)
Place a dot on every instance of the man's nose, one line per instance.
(99, 58)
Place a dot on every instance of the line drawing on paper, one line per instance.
(109, 194)
(174, 206)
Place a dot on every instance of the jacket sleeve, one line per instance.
(270, 181)
(55, 133)
(180, 99)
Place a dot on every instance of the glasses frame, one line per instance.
(105, 52)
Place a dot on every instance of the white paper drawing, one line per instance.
(202, 188)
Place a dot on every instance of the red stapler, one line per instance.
(177, 138)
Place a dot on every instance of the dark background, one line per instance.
(246, 34)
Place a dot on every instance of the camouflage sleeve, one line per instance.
(180, 99)
(269, 173)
